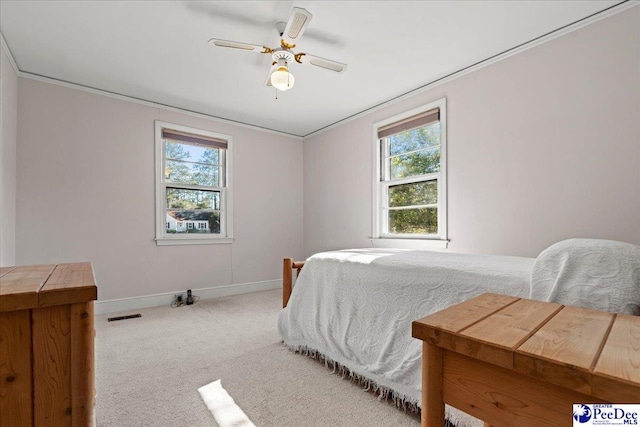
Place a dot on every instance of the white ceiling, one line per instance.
(158, 51)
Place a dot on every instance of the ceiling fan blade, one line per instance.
(327, 64)
(298, 21)
(239, 45)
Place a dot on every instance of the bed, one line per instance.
(353, 308)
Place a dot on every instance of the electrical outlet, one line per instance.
(189, 297)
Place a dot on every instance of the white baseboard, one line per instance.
(157, 300)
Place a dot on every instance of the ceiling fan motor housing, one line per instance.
(281, 54)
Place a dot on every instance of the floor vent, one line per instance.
(130, 316)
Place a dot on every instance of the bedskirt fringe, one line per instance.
(454, 418)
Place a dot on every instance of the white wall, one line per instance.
(86, 192)
(8, 132)
(543, 146)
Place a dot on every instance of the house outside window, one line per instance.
(410, 175)
(193, 188)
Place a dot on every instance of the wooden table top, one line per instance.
(33, 286)
(593, 352)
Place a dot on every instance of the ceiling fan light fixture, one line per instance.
(282, 79)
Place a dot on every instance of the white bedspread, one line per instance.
(355, 307)
(590, 273)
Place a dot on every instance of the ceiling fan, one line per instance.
(283, 56)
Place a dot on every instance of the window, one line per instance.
(192, 185)
(410, 181)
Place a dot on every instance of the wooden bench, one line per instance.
(47, 345)
(516, 362)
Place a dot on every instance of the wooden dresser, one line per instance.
(47, 345)
(517, 362)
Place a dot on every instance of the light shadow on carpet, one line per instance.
(223, 407)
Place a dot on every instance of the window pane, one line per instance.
(417, 193)
(413, 221)
(418, 163)
(206, 175)
(416, 139)
(192, 173)
(191, 164)
(193, 221)
(194, 153)
(180, 198)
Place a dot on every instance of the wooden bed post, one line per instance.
(286, 281)
(287, 278)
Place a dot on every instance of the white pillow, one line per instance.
(591, 273)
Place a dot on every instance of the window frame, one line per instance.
(380, 235)
(226, 193)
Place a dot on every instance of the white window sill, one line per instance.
(408, 243)
(193, 241)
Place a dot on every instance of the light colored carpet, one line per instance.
(148, 370)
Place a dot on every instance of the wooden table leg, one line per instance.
(432, 403)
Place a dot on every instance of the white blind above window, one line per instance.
(188, 138)
(419, 120)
